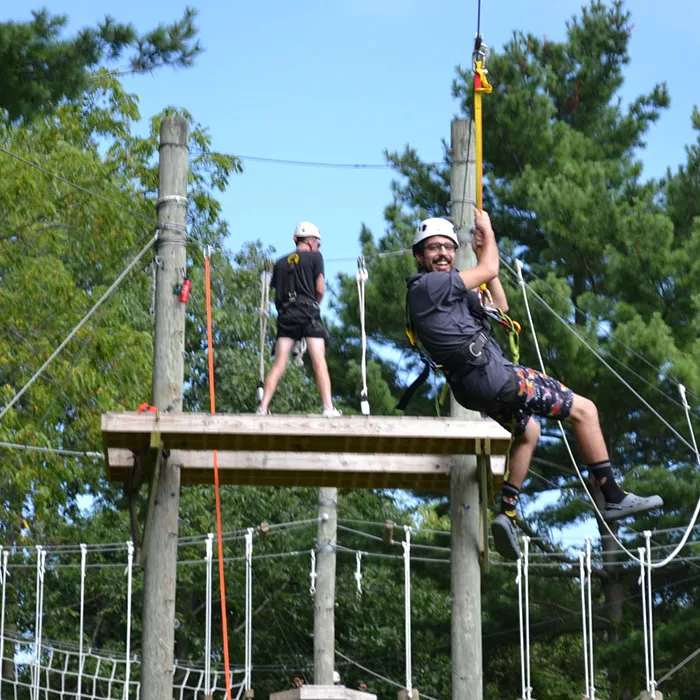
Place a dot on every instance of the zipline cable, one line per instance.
(217, 494)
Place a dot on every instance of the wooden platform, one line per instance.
(348, 452)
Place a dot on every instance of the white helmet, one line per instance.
(435, 227)
(306, 229)
(336, 678)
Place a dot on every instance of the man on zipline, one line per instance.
(298, 280)
(448, 318)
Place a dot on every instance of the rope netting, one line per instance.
(53, 669)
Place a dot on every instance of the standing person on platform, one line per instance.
(448, 317)
(299, 283)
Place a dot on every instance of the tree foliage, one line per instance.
(40, 67)
(615, 255)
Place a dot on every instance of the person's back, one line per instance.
(298, 279)
(294, 278)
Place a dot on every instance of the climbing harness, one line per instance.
(428, 364)
(512, 327)
(292, 262)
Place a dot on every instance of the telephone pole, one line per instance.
(324, 601)
(160, 546)
(467, 681)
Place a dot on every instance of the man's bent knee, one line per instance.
(583, 410)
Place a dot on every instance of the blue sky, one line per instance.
(341, 80)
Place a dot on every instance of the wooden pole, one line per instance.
(467, 681)
(160, 553)
(324, 602)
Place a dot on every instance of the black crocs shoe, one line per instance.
(505, 537)
(631, 504)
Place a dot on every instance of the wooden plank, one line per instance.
(347, 434)
(421, 472)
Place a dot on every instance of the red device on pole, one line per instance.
(185, 290)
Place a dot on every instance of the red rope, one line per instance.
(220, 544)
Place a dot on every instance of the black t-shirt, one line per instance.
(441, 311)
(306, 272)
(447, 316)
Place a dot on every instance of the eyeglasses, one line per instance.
(435, 247)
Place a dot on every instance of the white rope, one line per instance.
(407, 601)
(526, 575)
(129, 577)
(670, 557)
(207, 617)
(264, 312)
(591, 691)
(650, 618)
(358, 573)
(74, 332)
(39, 618)
(361, 278)
(645, 623)
(584, 620)
(519, 582)
(248, 608)
(313, 575)
(3, 577)
(83, 561)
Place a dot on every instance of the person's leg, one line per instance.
(521, 453)
(589, 437)
(545, 396)
(282, 350)
(316, 347)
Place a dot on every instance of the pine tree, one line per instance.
(40, 67)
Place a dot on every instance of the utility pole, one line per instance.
(467, 681)
(324, 602)
(160, 545)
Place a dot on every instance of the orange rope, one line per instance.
(220, 544)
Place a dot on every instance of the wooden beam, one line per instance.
(295, 433)
(421, 472)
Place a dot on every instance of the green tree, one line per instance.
(615, 256)
(40, 67)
